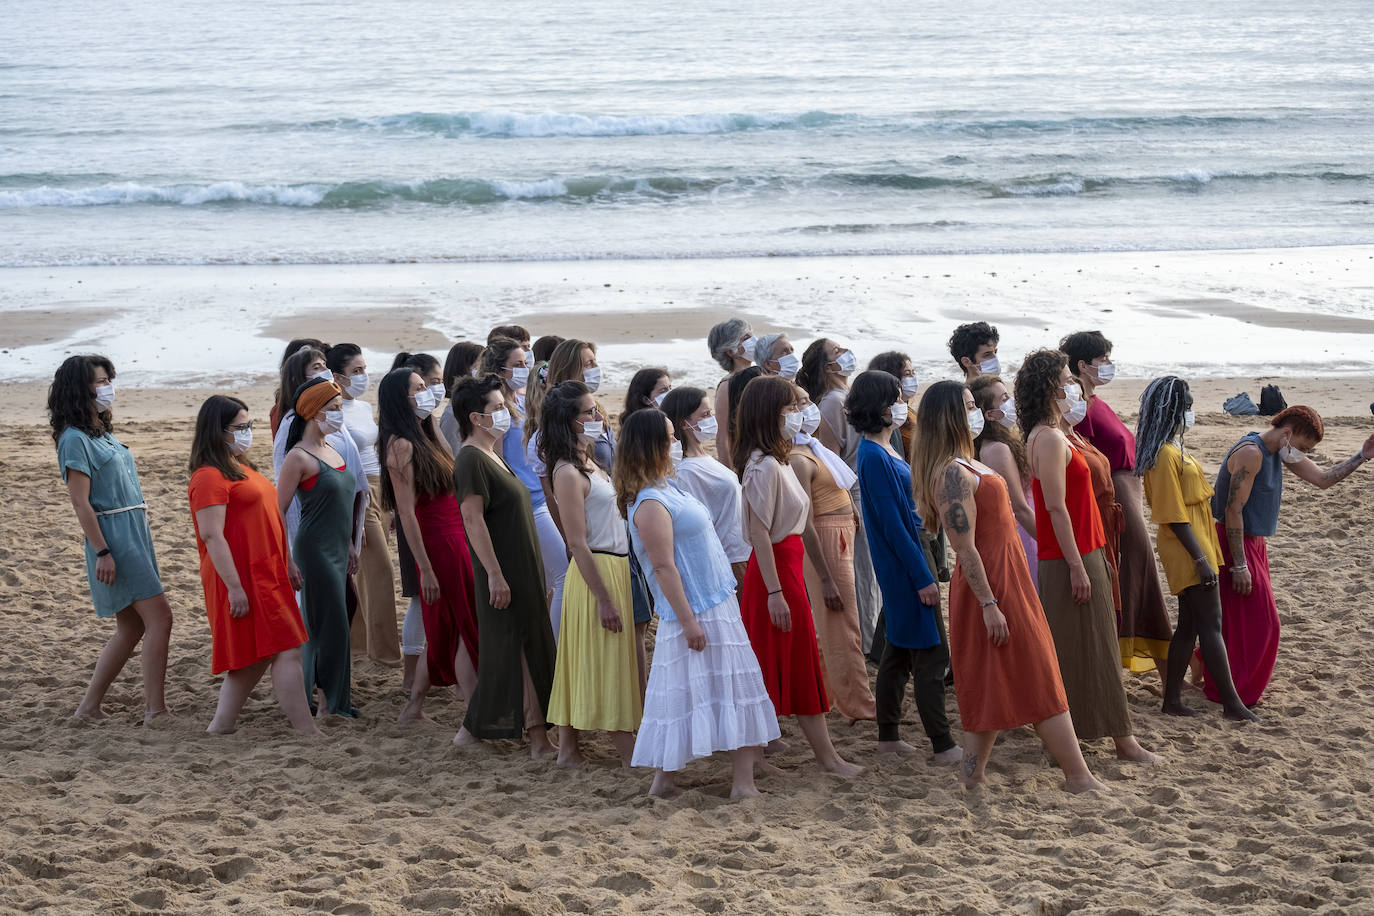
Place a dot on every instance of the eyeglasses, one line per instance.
(241, 427)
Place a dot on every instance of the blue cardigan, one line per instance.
(893, 529)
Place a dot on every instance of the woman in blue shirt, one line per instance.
(916, 644)
(121, 567)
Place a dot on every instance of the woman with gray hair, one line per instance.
(773, 353)
(732, 345)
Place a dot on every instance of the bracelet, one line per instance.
(776, 591)
(989, 603)
(103, 552)
(1239, 567)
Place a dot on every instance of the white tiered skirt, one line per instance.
(698, 703)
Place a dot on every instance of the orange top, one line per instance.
(1082, 506)
(826, 496)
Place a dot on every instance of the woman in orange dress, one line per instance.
(246, 569)
(1002, 648)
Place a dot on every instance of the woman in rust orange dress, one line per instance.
(1002, 648)
(246, 569)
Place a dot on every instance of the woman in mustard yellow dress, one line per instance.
(1180, 500)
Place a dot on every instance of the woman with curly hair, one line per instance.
(732, 346)
(121, 566)
(1180, 504)
(1245, 507)
(1075, 584)
(998, 445)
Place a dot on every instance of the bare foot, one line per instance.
(896, 747)
(664, 786)
(1080, 784)
(214, 729)
(971, 782)
(413, 711)
(311, 732)
(1130, 749)
(1241, 715)
(91, 715)
(572, 759)
(842, 768)
(465, 738)
(1176, 708)
(541, 749)
(949, 757)
(776, 746)
(153, 714)
(738, 792)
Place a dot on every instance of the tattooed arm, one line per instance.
(1243, 464)
(1322, 479)
(960, 516)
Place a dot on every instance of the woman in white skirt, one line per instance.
(705, 690)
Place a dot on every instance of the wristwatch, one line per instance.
(103, 552)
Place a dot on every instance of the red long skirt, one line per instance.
(789, 660)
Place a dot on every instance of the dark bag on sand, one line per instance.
(1240, 405)
(1271, 400)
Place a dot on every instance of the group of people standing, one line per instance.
(534, 543)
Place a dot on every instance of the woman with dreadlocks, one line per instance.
(1180, 501)
(1074, 582)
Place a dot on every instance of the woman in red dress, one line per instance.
(1002, 647)
(417, 485)
(246, 569)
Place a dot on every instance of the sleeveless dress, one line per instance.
(117, 499)
(1084, 634)
(257, 541)
(1001, 687)
(452, 617)
(698, 703)
(320, 550)
(596, 680)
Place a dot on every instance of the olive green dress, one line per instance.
(496, 709)
(320, 550)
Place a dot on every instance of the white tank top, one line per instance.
(606, 530)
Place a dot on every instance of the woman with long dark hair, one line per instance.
(1075, 584)
(596, 682)
(1180, 499)
(374, 629)
(648, 388)
(1008, 675)
(706, 692)
(314, 470)
(282, 395)
(418, 487)
(245, 569)
(121, 566)
(998, 445)
(731, 343)
(775, 608)
(515, 667)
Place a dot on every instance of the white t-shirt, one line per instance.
(363, 428)
(716, 487)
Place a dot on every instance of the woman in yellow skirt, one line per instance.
(596, 680)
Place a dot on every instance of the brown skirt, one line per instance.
(1085, 642)
(1142, 626)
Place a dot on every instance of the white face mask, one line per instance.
(658, 401)
(706, 429)
(592, 377)
(990, 366)
(1105, 373)
(675, 452)
(846, 362)
(811, 419)
(792, 424)
(529, 359)
(519, 376)
(788, 364)
(104, 397)
(243, 441)
(1189, 418)
(357, 385)
(324, 374)
(425, 402)
(1072, 405)
(592, 429)
(333, 421)
(899, 414)
(747, 347)
(438, 392)
(909, 386)
(500, 422)
(1008, 418)
(976, 422)
(1291, 454)
(1076, 412)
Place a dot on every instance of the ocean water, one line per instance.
(345, 132)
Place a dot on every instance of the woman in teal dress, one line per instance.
(121, 567)
(323, 546)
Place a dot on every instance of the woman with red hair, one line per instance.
(1246, 509)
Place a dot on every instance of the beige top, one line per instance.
(775, 496)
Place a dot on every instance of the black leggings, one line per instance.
(1199, 623)
(926, 668)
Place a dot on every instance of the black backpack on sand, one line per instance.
(1271, 401)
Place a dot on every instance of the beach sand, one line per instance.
(117, 817)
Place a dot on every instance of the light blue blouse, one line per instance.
(707, 578)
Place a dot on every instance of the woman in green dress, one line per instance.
(102, 482)
(323, 546)
(516, 664)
